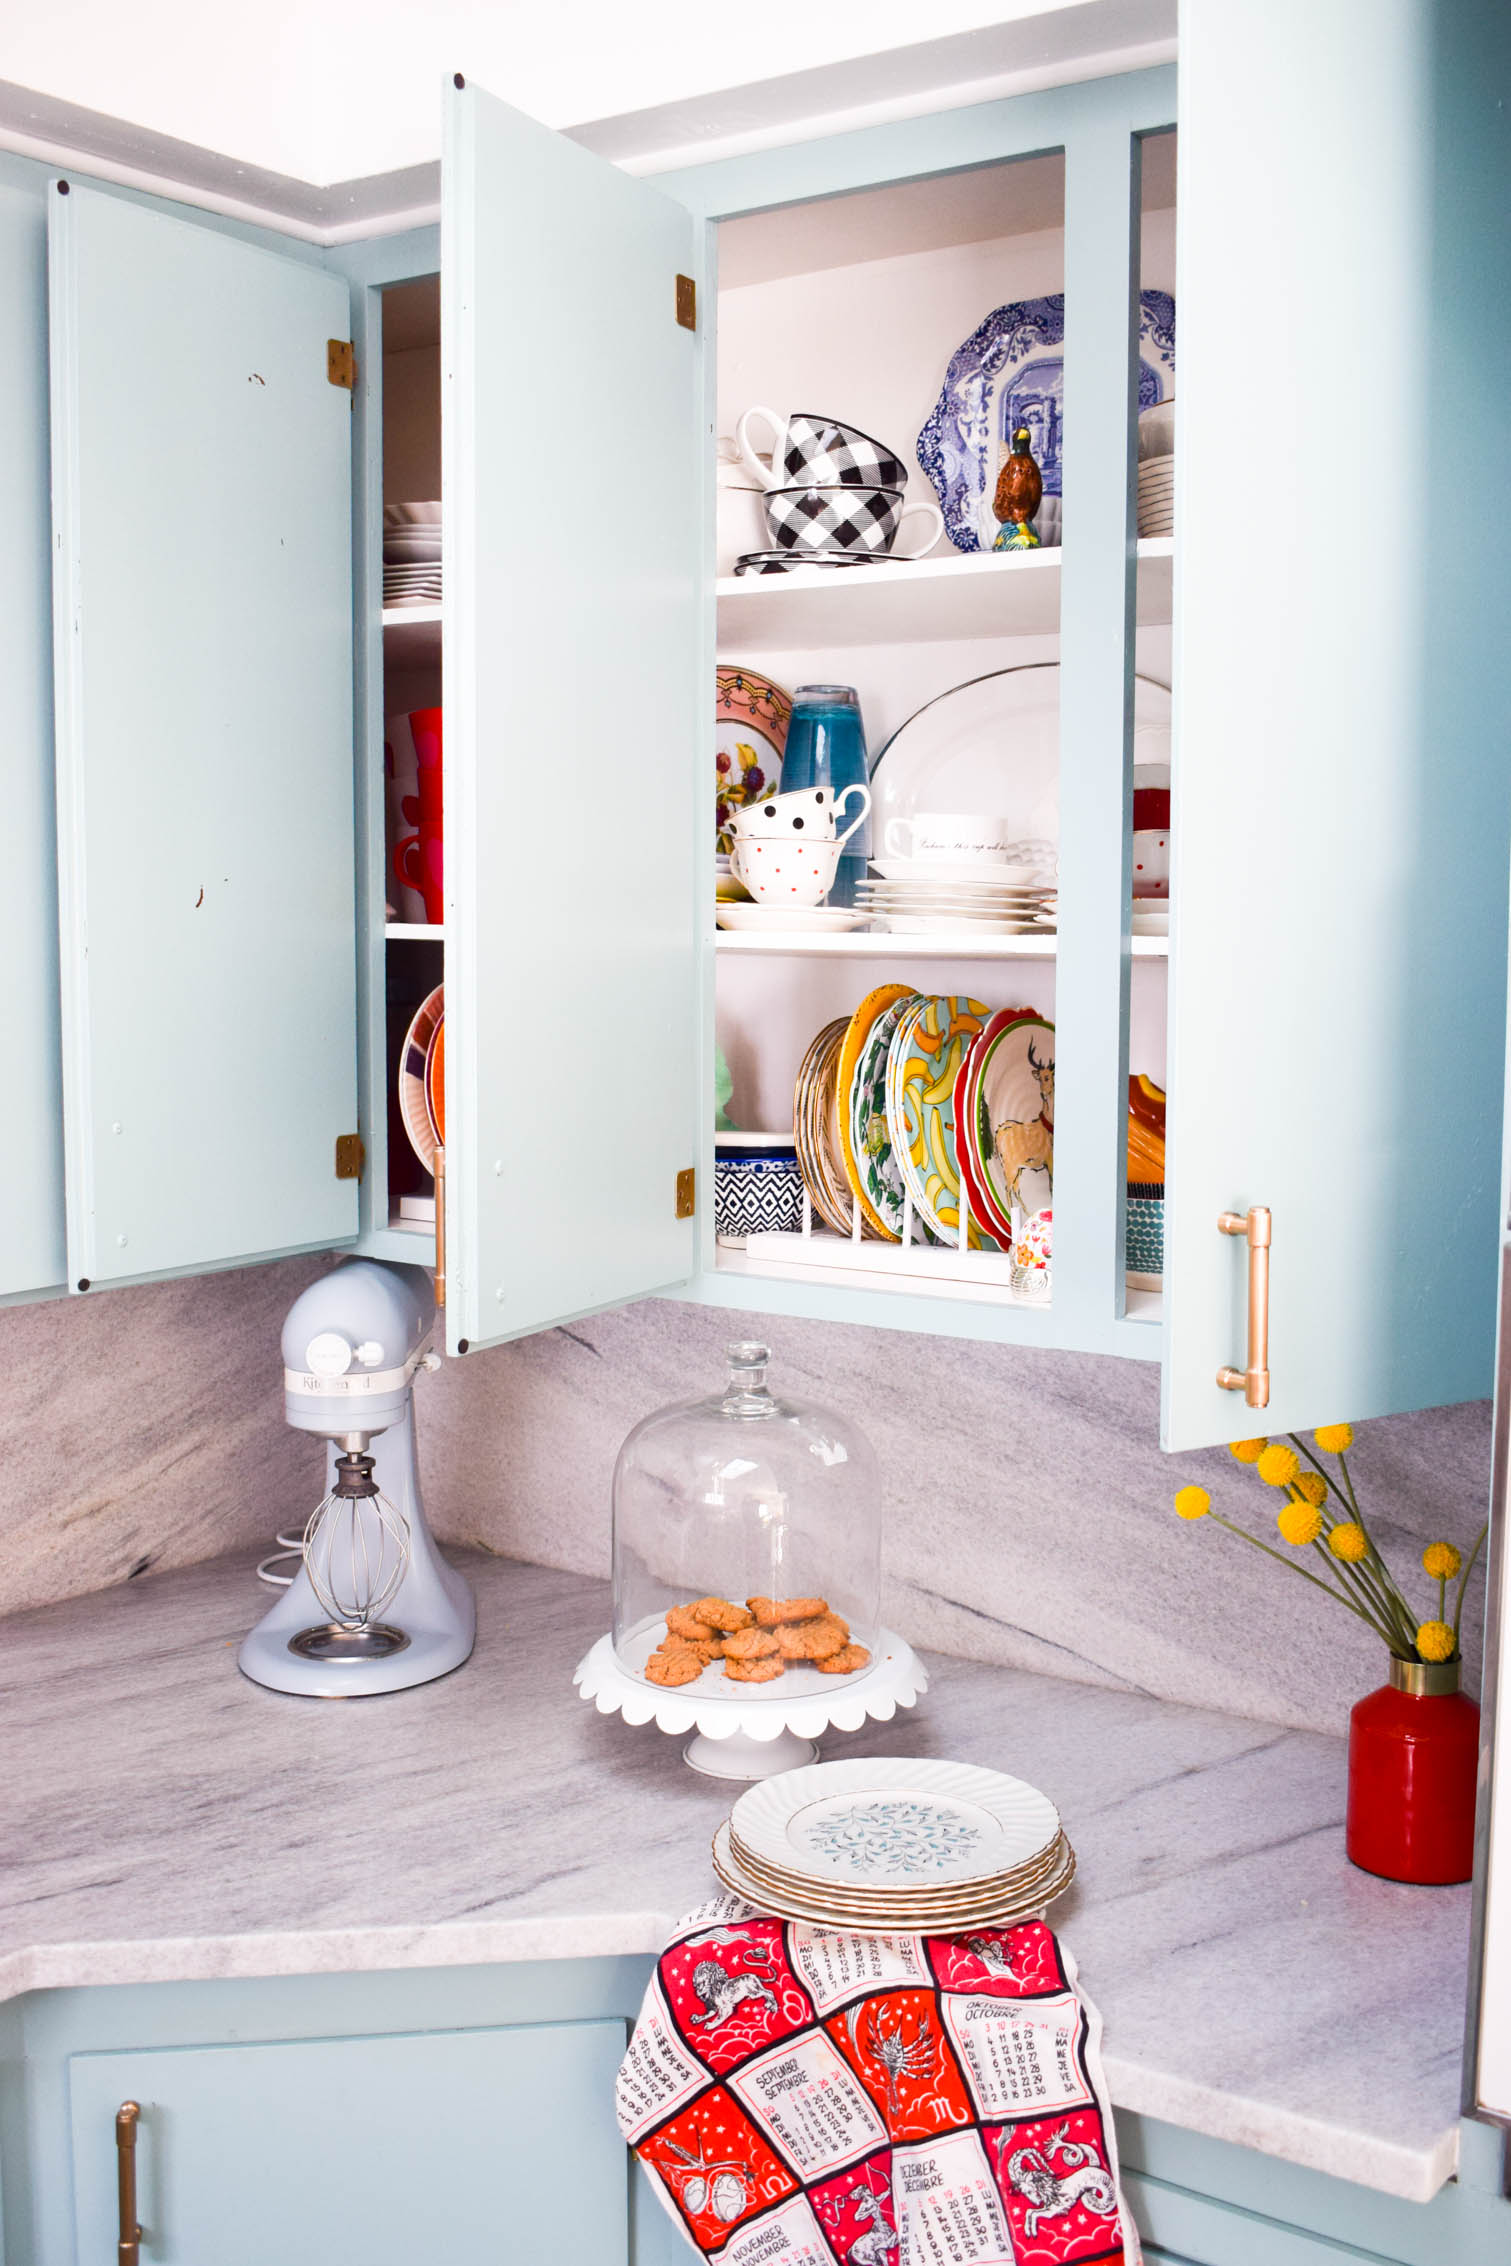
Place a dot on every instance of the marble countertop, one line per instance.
(164, 1819)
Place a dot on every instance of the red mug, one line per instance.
(418, 858)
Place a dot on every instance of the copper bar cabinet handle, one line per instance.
(440, 1225)
(128, 2250)
(1253, 1382)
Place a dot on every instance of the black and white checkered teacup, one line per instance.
(810, 449)
(860, 521)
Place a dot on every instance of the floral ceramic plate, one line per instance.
(868, 1825)
(1010, 371)
(413, 1055)
(862, 1023)
(1009, 1104)
(751, 715)
(882, 1190)
(922, 1068)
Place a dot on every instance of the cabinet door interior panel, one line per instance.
(575, 723)
(202, 608)
(31, 1211)
(1340, 820)
(450, 2145)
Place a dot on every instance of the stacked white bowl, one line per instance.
(1156, 469)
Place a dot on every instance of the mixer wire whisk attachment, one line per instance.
(356, 1546)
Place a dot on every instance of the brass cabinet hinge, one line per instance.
(351, 1156)
(687, 1193)
(341, 363)
(687, 302)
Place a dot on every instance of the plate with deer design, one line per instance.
(1008, 1105)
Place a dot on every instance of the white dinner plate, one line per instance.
(827, 919)
(821, 1910)
(894, 1823)
(991, 748)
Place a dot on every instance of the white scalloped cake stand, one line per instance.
(755, 1738)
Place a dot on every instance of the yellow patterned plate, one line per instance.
(862, 1023)
(926, 1058)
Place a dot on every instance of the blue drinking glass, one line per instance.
(826, 747)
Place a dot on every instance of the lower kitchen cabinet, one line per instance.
(465, 2115)
(464, 2144)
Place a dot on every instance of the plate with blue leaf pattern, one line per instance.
(899, 1826)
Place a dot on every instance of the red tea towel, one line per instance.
(801, 2097)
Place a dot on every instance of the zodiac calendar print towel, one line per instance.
(805, 2098)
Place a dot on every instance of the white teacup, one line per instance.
(949, 837)
(786, 849)
(809, 813)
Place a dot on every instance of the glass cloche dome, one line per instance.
(747, 1543)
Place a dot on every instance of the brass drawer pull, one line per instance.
(1253, 1382)
(128, 2250)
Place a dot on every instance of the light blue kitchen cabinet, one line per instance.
(1343, 678)
(31, 1213)
(467, 2145)
(202, 618)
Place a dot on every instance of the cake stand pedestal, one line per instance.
(745, 1737)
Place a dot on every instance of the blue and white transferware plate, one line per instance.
(1009, 372)
(894, 1824)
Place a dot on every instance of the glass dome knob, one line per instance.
(747, 1393)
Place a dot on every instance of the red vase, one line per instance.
(1413, 1752)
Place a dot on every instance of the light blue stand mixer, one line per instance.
(374, 1606)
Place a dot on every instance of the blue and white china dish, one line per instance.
(1011, 371)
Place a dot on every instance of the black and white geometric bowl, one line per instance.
(860, 520)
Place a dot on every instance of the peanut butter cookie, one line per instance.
(720, 1614)
(750, 1644)
(754, 1671)
(682, 1621)
(813, 1640)
(845, 1662)
(706, 1648)
(771, 1611)
(673, 1668)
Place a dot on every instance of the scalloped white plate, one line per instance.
(896, 1824)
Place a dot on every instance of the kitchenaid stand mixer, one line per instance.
(374, 1606)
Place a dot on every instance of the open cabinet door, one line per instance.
(202, 624)
(574, 696)
(1343, 677)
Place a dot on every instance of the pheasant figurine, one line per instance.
(1020, 487)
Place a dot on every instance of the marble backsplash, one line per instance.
(1028, 1517)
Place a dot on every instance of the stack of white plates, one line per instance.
(411, 554)
(1156, 495)
(1151, 916)
(895, 1847)
(929, 906)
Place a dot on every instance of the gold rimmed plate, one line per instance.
(825, 1911)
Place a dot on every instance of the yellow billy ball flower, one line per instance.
(1334, 1439)
(1247, 1451)
(1435, 1641)
(1349, 1542)
(1300, 1523)
(1277, 1465)
(1441, 1560)
(1193, 1502)
(1313, 1486)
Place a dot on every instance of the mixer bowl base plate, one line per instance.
(337, 1646)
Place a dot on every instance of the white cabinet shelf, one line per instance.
(868, 944)
(968, 594)
(412, 636)
(414, 932)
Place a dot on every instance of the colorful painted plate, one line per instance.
(1011, 371)
(435, 1080)
(751, 715)
(1011, 1102)
(412, 1058)
(862, 1022)
(924, 1064)
(870, 1133)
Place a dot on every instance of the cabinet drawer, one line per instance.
(463, 2145)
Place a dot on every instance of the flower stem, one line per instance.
(1458, 1608)
(1353, 1576)
(1328, 1589)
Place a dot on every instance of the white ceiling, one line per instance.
(336, 90)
